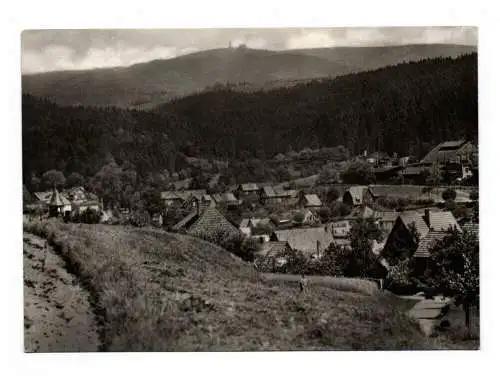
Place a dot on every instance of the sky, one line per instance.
(71, 49)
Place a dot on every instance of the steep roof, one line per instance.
(56, 199)
(442, 221)
(226, 197)
(313, 200)
(410, 217)
(210, 222)
(305, 239)
(357, 194)
(446, 151)
(427, 242)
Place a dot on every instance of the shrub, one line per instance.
(449, 195)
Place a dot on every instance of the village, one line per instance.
(308, 218)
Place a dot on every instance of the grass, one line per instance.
(156, 291)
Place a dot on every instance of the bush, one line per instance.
(449, 195)
(89, 216)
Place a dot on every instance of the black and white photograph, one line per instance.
(250, 189)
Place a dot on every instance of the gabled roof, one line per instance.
(273, 248)
(410, 217)
(210, 222)
(312, 200)
(442, 221)
(305, 239)
(357, 194)
(427, 242)
(447, 150)
(249, 187)
(226, 197)
(57, 200)
(268, 192)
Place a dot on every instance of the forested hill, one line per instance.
(404, 108)
(147, 84)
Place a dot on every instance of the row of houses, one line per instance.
(75, 200)
(359, 195)
(458, 159)
(267, 195)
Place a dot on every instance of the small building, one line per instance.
(278, 196)
(340, 229)
(225, 199)
(357, 195)
(310, 241)
(59, 205)
(385, 219)
(309, 201)
(178, 199)
(248, 191)
(275, 250)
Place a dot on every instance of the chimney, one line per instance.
(427, 217)
(197, 202)
(326, 228)
(318, 245)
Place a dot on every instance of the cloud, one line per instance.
(48, 50)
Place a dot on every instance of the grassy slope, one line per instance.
(142, 276)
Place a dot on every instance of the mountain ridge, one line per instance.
(150, 83)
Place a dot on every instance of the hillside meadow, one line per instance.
(156, 291)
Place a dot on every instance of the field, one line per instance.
(156, 291)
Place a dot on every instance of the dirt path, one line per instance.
(57, 312)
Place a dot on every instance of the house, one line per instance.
(310, 241)
(357, 195)
(248, 191)
(275, 250)
(386, 173)
(310, 217)
(58, 204)
(340, 229)
(270, 195)
(250, 226)
(178, 199)
(206, 223)
(385, 219)
(415, 174)
(440, 220)
(460, 151)
(226, 198)
(401, 240)
(81, 207)
(309, 201)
